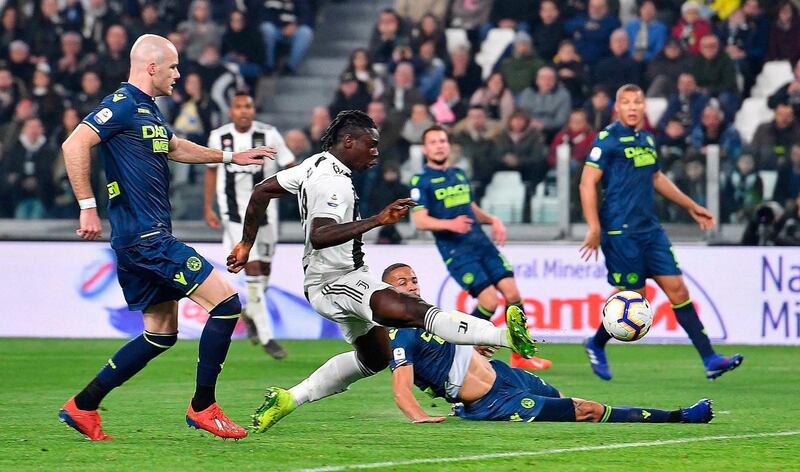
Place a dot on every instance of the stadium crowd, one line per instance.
(553, 84)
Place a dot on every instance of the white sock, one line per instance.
(334, 376)
(256, 309)
(460, 328)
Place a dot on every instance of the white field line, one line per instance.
(501, 455)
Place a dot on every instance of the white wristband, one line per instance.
(227, 157)
(87, 203)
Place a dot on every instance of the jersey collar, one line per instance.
(137, 92)
(338, 162)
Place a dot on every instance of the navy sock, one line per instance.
(481, 312)
(601, 337)
(214, 344)
(125, 363)
(630, 414)
(690, 322)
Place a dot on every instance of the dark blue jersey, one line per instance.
(134, 146)
(628, 160)
(431, 356)
(447, 194)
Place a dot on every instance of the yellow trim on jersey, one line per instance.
(591, 164)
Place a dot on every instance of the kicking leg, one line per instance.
(508, 287)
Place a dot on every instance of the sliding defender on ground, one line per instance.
(491, 390)
(154, 269)
(623, 161)
(338, 284)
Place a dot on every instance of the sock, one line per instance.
(482, 313)
(256, 310)
(214, 344)
(460, 328)
(334, 376)
(690, 322)
(628, 414)
(601, 337)
(124, 364)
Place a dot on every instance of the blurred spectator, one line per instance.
(351, 95)
(647, 35)
(571, 71)
(44, 30)
(598, 109)
(195, 112)
(715, 74)
(68, 66)
(783, 34)
(774, 225)
(517, 15)
(773, 139)
(389, 130)
(691, 28)
(47, 97)
(200, 30)
(27, 172)
(242, 45)
(413, 10)
(686, 106)
(789, 93)
(10, 131)
(520, 68)
(320, 119)
(549, 105)
(64, 203)
(475, 135)
(712, 130)
(416, 124)
(742, 190)
(220, 81)
(431, 70)
(390, 190)
(495, 98)
(619, 68)
(20, 62)
(745, 36)
(663, 71)
(579, 135)
(297, 142)
(448, 107)
(11, 28)
(290, 22)
(463, 69)
(97, 18)
(114, 64)
(548, 32)
(361, 66)
(148, 22)
(671, 144)
(592, 31)
(90, 93)
(10, 94)
(429, 29)
(470, 15)
(402, 94)
(693, 183)
(787, 186)
(521, 148)
(387, 35)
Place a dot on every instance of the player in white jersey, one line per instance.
(338, 284)
(233, 185)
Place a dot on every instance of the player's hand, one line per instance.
(461, 224)
(90, 225)
(238, 257)
(590, 245)
(254, 156)
(212, 219)
(703, 217)
(395, 211)
(429, 419)
(486, 351)
(498, 231)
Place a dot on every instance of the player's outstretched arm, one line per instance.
(588, 191)
(667, 189)
(183, 150)
(402, 383)
(326, 232)
(498, 228)
(425, 222)
(263, 193)
(77, 159)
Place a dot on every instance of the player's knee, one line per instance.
(375, 362)
(678, 294)
(586, 410)
(488, 299)
(161, 340)
(228, 307)
(397, 310)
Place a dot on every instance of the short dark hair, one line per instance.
(346, 121)
(392, 268)
(430, 129)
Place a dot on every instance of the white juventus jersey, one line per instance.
(234, 182)
(324, 190)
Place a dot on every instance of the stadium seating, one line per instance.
(505, 196)
(772, 77)
(754, 111)
(656, 107)
(544, 208)
(492, 48)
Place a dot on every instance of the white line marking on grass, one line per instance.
(501, 455)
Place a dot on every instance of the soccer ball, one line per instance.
(627, 316)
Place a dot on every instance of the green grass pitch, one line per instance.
(362, 426)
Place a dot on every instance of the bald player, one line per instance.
(155, 270)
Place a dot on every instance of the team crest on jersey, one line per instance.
(527, 403)
(102, 116)
(194, 263)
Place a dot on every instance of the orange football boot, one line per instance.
(85, 422)
(213, 420)
(534, 363)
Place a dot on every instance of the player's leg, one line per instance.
(231, 232)
(257, 276)
(587, 410)
(507, 285)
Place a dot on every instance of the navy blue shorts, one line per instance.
(479, 267)
(157, 268)
(518, 395)
(633, 257)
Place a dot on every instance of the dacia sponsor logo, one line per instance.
(453, 195)
(158, 134)
(642, 156)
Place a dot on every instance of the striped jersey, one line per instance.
(324, 189)
(234, 182)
